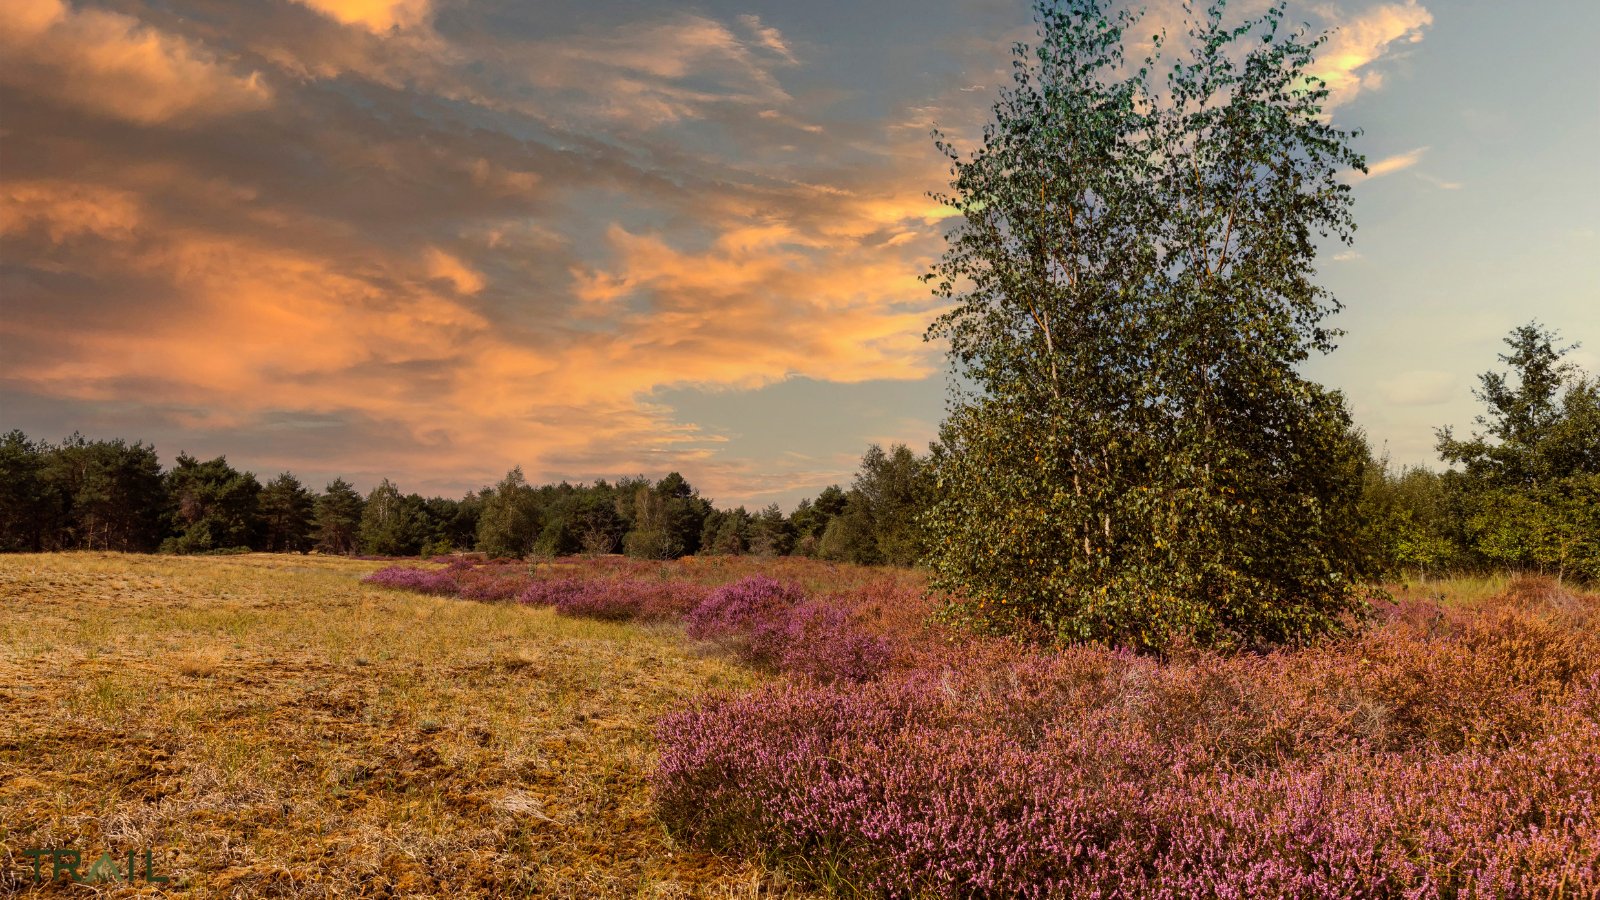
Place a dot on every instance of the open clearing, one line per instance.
(268, 726)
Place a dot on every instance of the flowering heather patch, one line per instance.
(770, 623)
(874, 623)
(751, 614)
(549, 591)
(409, 579)
(614, 599)
(1449, 749)
(1453, 752)
(496, 581)
(461, 578)
(613, 589)
(821, 641)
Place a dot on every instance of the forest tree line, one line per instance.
(84, 494)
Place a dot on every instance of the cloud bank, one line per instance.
(387, 237)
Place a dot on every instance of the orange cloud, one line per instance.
(449, 268)
(1388, 165)
(65, 210)
(304, 332)
(437, 290)
(749, 312)
(377, 16)
(114, 65)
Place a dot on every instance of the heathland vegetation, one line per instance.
(1156, 623)
(271, 726)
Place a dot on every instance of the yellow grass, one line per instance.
(1455, 589)
(268, 726)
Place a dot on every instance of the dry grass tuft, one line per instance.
(198, 664)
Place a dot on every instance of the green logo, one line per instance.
(106, 868)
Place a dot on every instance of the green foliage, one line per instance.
(449, 525)
(1132, 284)
(668, 519)
(112, 494)
(558, 538)
(338, 518)
(879, 520)
(850, 536)
(806, 526)
(1544, 425)
(1553, 528)
(28, 504)
(811, 519)
(392, 524)
(510, 521)
(598, 526)
(727, 532)
(771, 532)
(892, 489)
(1409, 519)
(286, 510)
(830, 503)
(1526, 496)
(684, 513)
(214, 506)
(651, 536)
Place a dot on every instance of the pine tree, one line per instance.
(286, 509)
(338, 518)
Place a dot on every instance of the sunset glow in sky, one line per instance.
(433, 239)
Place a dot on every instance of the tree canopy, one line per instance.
(1132, 286)
(1542, 419)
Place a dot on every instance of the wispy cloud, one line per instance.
(1346, 62)
(655, 73)
(1440, 183)
(768, 37)
(1389, 165)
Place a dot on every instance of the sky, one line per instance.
(430, 240)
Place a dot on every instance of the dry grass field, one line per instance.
(268, 726)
